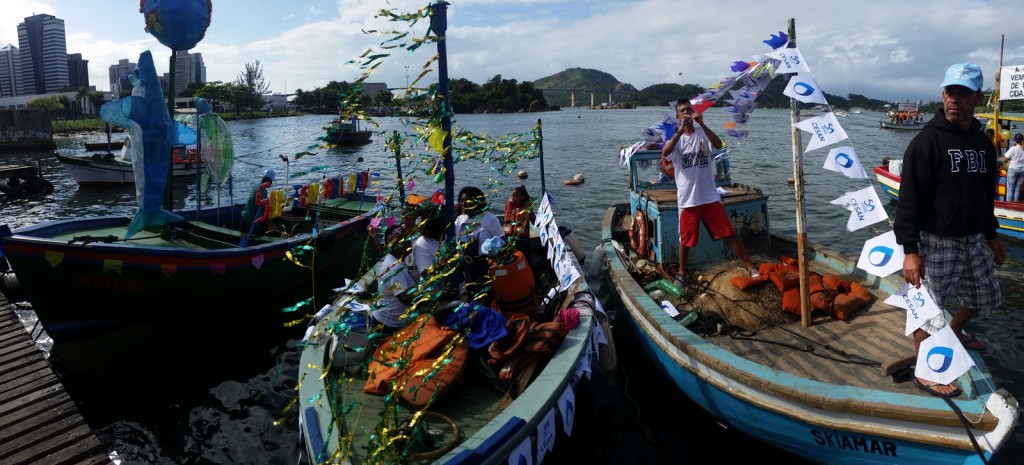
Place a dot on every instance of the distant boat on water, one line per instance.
(347, 132)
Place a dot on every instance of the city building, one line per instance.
(43, 55)
(119, 82)
(78, 71)
(188, 69)
(9, 64)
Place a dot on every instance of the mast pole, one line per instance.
(540, 149)
(798, 176)
(996, 127)
(439, 25)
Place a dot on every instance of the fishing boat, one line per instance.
(453, 400)
(110, 169)
(824, 392)
(1009, 214)
(82, 277)
(805, 355)
(478, 420)
(347, 133)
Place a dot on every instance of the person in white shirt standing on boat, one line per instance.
(945, 217)
(689, 150)
(1015, 169)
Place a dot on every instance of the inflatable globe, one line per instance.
(178, 24)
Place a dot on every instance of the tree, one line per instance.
(216, 92)
(252, 86)
(48, 104)
(97, 99)
(81, 96)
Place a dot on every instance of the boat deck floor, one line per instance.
(874, 333)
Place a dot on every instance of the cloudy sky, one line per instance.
(890, 50)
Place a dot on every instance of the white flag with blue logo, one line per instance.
(864, 206)
(824, 129)
(918, 303)
(523, 453)
(804, 88)
(567, 409)
(881, 255)
(844, 160)
(790, 61)
(942, 358)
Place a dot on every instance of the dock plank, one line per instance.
(39, 422)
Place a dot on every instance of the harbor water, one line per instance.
(217, 390)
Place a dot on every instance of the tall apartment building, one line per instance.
(188, 69)
(78, 71)
(9, 71)
(43, 55)
(119, 82)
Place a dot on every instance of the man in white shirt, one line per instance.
(689, 150)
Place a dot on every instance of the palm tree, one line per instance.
(81, 96)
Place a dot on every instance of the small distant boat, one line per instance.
(575, 181)
(913, 126)
(109, 168)
(857, 111)
(347, 133)
(905, 117)
(841, 113)
(94, 146)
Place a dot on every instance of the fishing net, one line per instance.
(753, 309)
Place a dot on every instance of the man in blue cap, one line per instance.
(945, 219)
(255, 213)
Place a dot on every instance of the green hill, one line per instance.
(584, 81)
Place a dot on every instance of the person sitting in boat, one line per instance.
(410, 218)
(474, 225)
(689, 150)
(945, 217)
(1015, 168)
(256, 214)
(426, 245)
(518, 217)
(393, 280)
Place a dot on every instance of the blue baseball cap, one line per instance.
(964, 74)
(269, 174)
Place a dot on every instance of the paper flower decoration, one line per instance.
(178, 24)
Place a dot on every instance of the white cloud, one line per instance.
(891, 51)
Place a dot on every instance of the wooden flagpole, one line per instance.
(798, 177)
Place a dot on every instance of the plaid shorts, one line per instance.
(960, 265)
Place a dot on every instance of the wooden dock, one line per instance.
(39, 423)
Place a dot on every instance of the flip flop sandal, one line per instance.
(973, 343)
(930, 389)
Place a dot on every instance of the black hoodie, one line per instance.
(948, 184)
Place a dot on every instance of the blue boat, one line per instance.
(831, 392)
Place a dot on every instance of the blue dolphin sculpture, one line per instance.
(145, 112)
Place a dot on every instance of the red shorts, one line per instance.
(714, 217)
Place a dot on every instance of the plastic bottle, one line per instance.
(596, 261)
(665, 285)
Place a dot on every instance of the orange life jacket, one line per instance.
(513, 286)
(418, 381)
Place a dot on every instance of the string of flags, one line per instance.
(941, 358)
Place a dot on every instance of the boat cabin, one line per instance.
(654, 194)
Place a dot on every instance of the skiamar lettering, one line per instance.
(837, 440)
